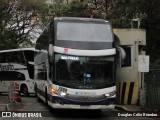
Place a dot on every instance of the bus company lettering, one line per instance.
(69, 58)
(8, 67)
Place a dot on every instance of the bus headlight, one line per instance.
(62, 94)
(106, 95)
(53, 90)
(110, 94)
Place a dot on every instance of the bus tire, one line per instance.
(46, 101)
(50, 109)
(39, 99)
(46, 97)
(35, 90)
(98, 112)
(25, 91)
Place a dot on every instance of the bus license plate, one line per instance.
(85, 107)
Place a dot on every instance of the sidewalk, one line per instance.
(129, 108)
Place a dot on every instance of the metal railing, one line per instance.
(152, 81)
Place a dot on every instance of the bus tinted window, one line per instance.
(2, 57)
(89, 32)
(29, 55)
(10, 57)
(18, 57)
(15, 57)
(42, 75)
(11, 75)
(84, 72)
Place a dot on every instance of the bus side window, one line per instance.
(10, 57)
(18, 57)
(51, 67)
(2, 57)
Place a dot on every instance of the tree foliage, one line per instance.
(120, 13)
(150, 22)
(17, 22)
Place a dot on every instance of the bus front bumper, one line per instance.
(88, 107)
(65, 103)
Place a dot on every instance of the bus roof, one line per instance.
(10, 50)
(81, 19)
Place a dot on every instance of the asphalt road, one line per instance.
(31, 104)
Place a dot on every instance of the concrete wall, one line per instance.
(128, 78)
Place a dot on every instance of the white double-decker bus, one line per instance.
(75, 66)
(16, 65)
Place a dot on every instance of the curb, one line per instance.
(122, 108)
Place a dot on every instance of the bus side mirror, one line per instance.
(50, 50)
(31, 63)
(121, 56)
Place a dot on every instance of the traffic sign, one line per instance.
(143, 63)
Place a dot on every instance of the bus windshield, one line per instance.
(84, 72)
(29, 55)
(85, 31)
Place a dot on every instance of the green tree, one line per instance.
(119, 12)
(18, 22)
(150, 22)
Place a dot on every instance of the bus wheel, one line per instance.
(25, 90)
(35, 89)
(39, 99)
(46, 98)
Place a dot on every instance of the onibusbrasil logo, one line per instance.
(21, 114)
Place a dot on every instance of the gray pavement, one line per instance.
(129, 108)
(31, 104)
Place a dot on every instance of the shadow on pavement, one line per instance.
(78, 114)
